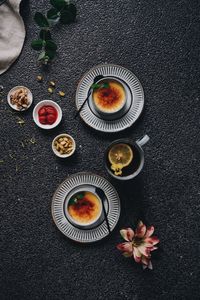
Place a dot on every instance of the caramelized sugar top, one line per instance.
(86, 209)
(110, 99)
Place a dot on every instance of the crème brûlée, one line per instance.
(85, 208)
(111, 99)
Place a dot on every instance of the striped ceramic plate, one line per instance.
(71, 231)
(136, 94)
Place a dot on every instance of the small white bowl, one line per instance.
(56, 152)
(30, 97)
(36, 116)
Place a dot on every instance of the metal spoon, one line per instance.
(102, 196)
(96, 79)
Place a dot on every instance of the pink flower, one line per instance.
(139, 244)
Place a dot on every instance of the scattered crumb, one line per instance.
(32, 141)
(20, 121)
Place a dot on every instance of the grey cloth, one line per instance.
(12, 33)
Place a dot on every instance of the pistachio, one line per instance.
(50, 90)
(39, 78)
(61, 94)
(52, 83)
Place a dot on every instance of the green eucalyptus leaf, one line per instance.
(37, 44)
(68, 14)
(41, 20)
(52, 14)
(74, 199)
(45, 34)
(105, 85)
(72, 9)
(50, 53)
(58, 4)
(66, 17)
(41, 56)
(50, 45)
(95, 86)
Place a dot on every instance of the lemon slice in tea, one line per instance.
(120, 156)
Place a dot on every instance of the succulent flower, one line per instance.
(139, 244)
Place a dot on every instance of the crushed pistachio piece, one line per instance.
(61, 94)
(39, 78)
(1, 161)
(52, 84)
(50, 90)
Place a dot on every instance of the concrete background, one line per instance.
(159, 42)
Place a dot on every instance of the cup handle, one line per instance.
(143, 140)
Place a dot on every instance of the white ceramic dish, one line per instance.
(111, 204)
(56, 152)
(30, 97)
(135, 97)
(36, 116)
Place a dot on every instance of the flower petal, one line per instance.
(144, 250)
(150, 266)
(144, 267)
(153, 240)
(141, 230)
(152, 248)
(127, 234)
(145, 260)
(136, 254)
(125, 247)
(147, 244)
(150, 231)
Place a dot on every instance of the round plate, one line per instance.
(73, 232)
(132, 114)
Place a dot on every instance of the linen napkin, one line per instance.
(12, 33)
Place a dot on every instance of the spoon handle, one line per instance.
(102, 196)
(88, 95)
(106, 218)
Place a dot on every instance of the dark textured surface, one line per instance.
(159, 42)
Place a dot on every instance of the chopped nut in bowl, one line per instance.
(63, 145)
(20, 98)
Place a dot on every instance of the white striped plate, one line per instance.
(85, 235)
(137, 98)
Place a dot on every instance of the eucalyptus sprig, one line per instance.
(96, 86)
(62, 11)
